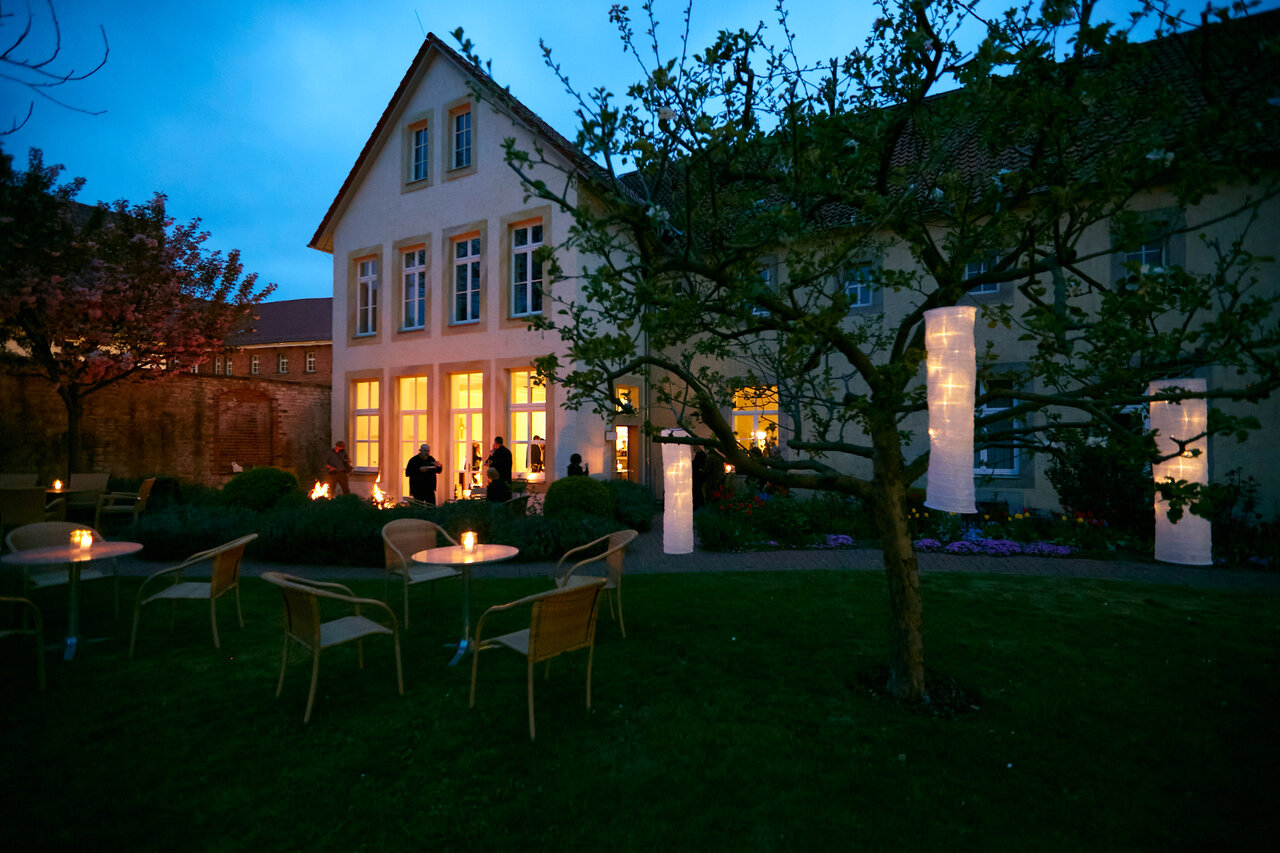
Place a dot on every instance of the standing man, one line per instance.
(337, 466)
(500, 458)
(421, 471)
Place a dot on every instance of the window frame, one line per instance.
(419, 269)
(310, 364)
(472, 261)
(533, 285)
(366, 293)
(527, 416)
(1163, 226)
(860, 275)
(255, 364)
(751, 402)
(980, 458)
(366, 423)
(282, 363)
(448, 137)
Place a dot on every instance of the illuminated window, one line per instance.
(628, 399)
(466, 420)
(526, 438)
(412, 400)
(755, 417)
(366, 415)
(526, 270)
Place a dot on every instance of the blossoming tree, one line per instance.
(93, 296)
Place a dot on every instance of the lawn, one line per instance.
(1109, 716)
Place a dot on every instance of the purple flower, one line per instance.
(928, 545)
(1000, 547)
(963, 547)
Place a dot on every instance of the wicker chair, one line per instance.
(36, 630)
(131, 504)
(614, 550)
(403, 538)
(26, 505)
(83, 491)
(561, 620)
(45, 534)
(304, 626)
(224, 578)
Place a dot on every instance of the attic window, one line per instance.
(462, 138)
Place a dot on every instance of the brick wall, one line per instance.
(187, 426)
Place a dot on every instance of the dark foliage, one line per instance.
(259, 489)
(578, 494)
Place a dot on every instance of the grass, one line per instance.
(1110, 716)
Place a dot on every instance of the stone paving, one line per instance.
(645, 556)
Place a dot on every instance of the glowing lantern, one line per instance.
(469, 541)
(677, 496)
(951, 370)
(1190, 541)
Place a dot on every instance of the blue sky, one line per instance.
(249, 115)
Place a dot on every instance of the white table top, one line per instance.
(72, 553)
(456, 555)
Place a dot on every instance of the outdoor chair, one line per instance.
(83, 491)
(403, 538)
(303, 625)
(614, 550)
(46, 534)
(131, 504)
(517, 507)
(17, 481)
(560, 620)
(26, 505)
(224, 578)
(36, 631)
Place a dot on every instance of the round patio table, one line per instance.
(462, 558)
(74, 557)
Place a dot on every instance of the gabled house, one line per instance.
(436, 275)
(290, 340)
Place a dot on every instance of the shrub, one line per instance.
(259, 489)
(1108, 481)
(633, 504)
(178, 531)
(578, 494)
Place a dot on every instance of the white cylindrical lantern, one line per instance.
(951, 375)
(1190, 541)
(677, 496)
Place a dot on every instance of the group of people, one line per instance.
(423, 468)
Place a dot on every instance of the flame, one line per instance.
(380, 498)
(319, 490)
(57, 485)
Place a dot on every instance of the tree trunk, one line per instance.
(906, 631)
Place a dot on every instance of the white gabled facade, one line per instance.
(434, 281)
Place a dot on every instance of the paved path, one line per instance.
(645, 556)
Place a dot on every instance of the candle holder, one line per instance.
(469, 541)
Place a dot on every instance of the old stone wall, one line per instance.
(186, 426)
